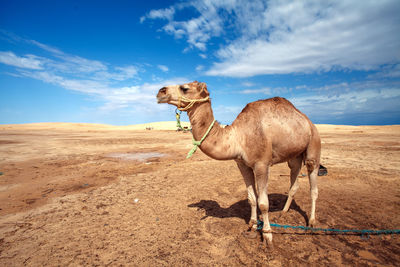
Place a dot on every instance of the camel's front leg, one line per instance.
(261, 178)
(248, 177)
(312, 167)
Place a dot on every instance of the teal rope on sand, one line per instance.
(196, 144)
(332, 230)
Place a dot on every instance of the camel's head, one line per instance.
(183, 96)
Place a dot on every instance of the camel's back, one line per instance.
(274, 124)
(275, 111)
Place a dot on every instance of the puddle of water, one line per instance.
(7, 187)
(142, 157)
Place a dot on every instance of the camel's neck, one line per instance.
(220, 142)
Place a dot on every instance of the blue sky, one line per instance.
(104, 61)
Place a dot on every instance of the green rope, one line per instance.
(178, 121)
(332, 230)
(196, 144)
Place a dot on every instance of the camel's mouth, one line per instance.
(162, 99)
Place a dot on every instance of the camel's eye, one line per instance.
(184, 89)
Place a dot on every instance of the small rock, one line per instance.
(367, 255)
(136, 200)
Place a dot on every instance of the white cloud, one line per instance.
(320, 37)
(98, 80)
(57, 60)
(248, 84)
(119, 74)
(79, 85)
(391, 71)
(199, 67)
(198, 30)
(46, 47)
(166, 13)
(163, 68)
(278, 37)
(68, 63)
(369, 99)
(265, 91)
(82, 64)
(127, 72)
(26, 62)
(136, 97)
(58, 63)
(114, 97)
(79, 66)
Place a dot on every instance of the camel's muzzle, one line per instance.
(162, 96)
(161, 100)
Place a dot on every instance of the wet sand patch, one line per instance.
(140, 156)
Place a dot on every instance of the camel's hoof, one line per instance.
(250, 234)
(253, 224)
(312, 223)
(267, 240)
(268, 245)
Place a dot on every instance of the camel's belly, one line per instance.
(277, 144)
(290, 141)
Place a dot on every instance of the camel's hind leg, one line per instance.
(248, 177)
(295, 167)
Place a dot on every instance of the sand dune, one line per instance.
(171, 125)
(162, 125)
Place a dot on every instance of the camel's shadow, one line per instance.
(241, 209)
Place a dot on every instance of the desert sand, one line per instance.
(88, 194)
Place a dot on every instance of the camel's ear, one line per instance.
(203, 87)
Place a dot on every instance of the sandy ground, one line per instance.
(78, 194)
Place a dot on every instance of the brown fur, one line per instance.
(265, 133)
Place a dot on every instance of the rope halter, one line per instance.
(191, 102)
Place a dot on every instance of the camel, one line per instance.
(265, 133)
